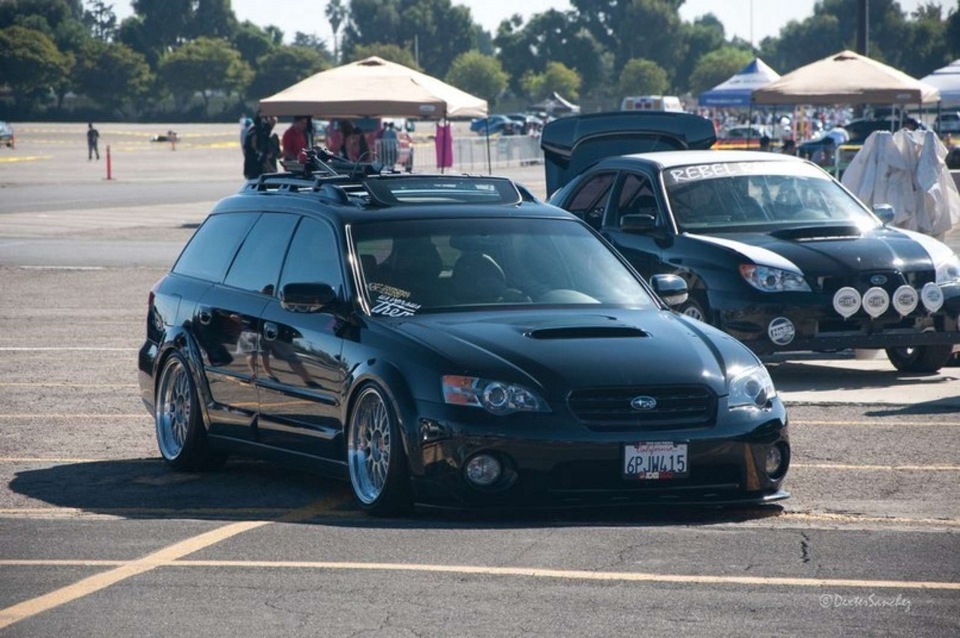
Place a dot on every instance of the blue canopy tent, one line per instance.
(737, 90)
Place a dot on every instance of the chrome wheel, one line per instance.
(174, 408)
(693, 309)
(370, 446)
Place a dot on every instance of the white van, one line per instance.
(651, 103)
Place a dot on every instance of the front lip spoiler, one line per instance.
(867, 342)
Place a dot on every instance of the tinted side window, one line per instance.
(257, 265)
(314, 256)
(591, 198)
(636, 197)
(211, 248)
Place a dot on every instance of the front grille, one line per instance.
(610, 410)
(861, 281)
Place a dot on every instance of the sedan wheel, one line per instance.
(180, 433)
(375, 457)
(693, 309)
(920, 358)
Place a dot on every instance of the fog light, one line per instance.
(776, 463)
(483, 470)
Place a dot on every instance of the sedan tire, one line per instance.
(181, 435)
(920, 358)
(375, 457)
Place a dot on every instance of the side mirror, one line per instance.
(307, 297)
(638, 223)
(671, 288)
(885, 212)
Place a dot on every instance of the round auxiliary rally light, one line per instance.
(931, 296)
(776, 461)
(483, 470)
(876, 301)
(905, 300)
(846, 302)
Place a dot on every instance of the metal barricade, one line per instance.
(470, 154)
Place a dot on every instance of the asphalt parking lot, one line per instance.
(98, 538)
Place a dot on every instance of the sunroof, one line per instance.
(440, 189)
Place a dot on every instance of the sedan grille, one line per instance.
(630, 409)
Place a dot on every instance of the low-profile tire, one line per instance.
(181, 435)
(920, 358)
(375, 457)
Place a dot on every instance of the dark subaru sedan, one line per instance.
(448, 341)
(774, 251)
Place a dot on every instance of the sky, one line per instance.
(751, 20)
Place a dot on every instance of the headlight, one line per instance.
(769, 279)
(495, 397)
(948, 270)
(751, 388)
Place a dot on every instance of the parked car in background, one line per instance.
(7, 138)
(947, 122)
(747, 131)
(491, 124)
(775, 252)
(448, 340)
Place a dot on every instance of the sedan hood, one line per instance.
(829, 250)
(556, 352)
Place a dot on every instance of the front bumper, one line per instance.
(792, 322)
(550, 463)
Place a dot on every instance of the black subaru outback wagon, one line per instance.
(448, 340)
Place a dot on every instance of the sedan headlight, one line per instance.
(768, 279)
(751, 388)
(496, 397)
(948, 270)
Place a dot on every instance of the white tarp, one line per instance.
(908, 171)
(947, 80)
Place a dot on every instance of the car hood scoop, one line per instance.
(587, 332)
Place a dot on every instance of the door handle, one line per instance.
(270, 331)
(204, 315)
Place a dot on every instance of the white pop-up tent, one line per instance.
(373, 87)
(947, 80)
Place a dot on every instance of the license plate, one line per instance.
(655, 461)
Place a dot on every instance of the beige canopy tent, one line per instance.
(373, 87)
(846, 78)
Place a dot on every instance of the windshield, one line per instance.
(411, 267)
(763, 196)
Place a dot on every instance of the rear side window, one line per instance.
(257, 265)
(210, 250)
(591, 198)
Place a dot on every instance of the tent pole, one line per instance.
(443, 147)
(487, 127)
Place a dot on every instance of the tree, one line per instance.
(478, 74)
(550, 36)
(283, 67)
(112, 74)
(166, 23)
(25, 12)
(705, 34)
(649, 29)
(718, 66)
(434, 28)
(214, 19)
(390, 52)
(556, 78)
(642, 77)
(204, 66)
(311, 41)
(252, 42)
(100, 21)
(30, 63)
(336, 13)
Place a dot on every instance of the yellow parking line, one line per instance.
(165, 556)
(858, 518)
(878, 468)
(64, 384)
(23, 158)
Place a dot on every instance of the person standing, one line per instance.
(295, 138)
(389, 144)
(93, 140)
